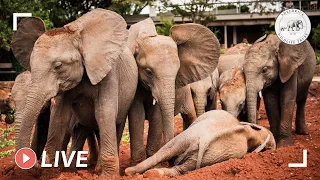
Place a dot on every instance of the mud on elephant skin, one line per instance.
(283, 72)
(165, 65)
(90, 50)
(204, 93)
(214, 137)
(232, 91)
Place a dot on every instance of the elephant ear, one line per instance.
(103, 37)
(290, 57)
(28, 31)
(198, 50)
(138, 32)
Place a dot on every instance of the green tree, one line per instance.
(129, 7)
(316, 36)
(164, 28)
(196, 10)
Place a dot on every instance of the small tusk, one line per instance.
(53, 102)
(154, 101)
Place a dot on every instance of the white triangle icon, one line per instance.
(25, 158)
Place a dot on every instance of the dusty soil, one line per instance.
(264, 165)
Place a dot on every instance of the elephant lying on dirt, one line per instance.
(232, 91)
(204, 93)
(78, 132)
(214, 137)
(283, 72)
(166, 66)
(86, 57)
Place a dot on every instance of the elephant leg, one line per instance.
(106, 113)
(40, 135)
(301, 127)
(120, 128)
(288, 94)
(58, 132)
(136, 118)
(154, 140)
(271, 102)
(211, 101)
(258, 107)
(79, 135)
(93, 149)
(188, 165)
(188, 112)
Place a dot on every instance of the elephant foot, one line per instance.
(130, 171)
(284, 142)
(153, 173)
(303, 130)
(36, 171)
(105, 176)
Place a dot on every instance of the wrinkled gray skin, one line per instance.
(81, 108)
(87, 56)
(166, 65)
(230, 61)
(283, 73)
(204, 93)
(232, 91)
(214, 137)
(19, 94)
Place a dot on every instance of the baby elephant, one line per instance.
(214, 137)
(232, 92)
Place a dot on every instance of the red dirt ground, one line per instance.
(264, 165)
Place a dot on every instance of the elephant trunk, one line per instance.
(167, 103)
(200, 104)
(252, 103)
(34, 104)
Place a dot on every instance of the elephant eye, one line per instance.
(149, 72)
(264, 69)
(57, 66)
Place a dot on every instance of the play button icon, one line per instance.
(25, 158)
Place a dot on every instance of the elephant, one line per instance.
(166, 65)
(283, 72)
(20, 92)
(87, 57)
(214, 137)
(232, 91)
(6, 106)
(204, 93)
(228, 62)
(294, 25)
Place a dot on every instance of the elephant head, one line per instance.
(166, 63)
(204, 91)
(58, 58)
(232, 91)
(259, 138)
(266, 61)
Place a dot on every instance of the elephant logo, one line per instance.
(292, 26)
